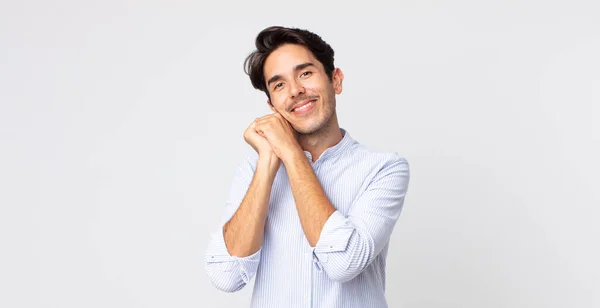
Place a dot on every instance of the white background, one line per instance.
(121, 124)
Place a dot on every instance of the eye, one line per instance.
(278, 85)
(307, 73)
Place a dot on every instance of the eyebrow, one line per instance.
(297, 68)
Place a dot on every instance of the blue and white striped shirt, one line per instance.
(346, 268)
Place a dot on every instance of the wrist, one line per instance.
(293, 155)
(269, 161)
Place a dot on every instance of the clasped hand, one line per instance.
(273, 133)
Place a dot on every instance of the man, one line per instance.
(311, 214)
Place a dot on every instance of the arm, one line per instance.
(314, 208)
(233, 254)
(346, 245)
(244, 232)
(311, 202)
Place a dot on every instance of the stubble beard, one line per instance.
(319, 128)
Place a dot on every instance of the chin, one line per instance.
(313, 124)
(309, 129)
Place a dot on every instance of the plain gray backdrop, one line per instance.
(121, 125)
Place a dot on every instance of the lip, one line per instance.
(302, 104)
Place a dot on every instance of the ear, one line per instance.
(337, 79)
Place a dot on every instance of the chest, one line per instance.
(342, 185)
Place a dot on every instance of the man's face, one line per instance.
(299, 88)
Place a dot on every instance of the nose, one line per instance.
(296, 88)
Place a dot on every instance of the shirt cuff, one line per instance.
(249, 265)
(335, 235)
(218, 253)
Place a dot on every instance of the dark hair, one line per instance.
(271, 38)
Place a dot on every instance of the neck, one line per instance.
(316, 143)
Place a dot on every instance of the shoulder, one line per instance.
(377, 157)
(389, 170)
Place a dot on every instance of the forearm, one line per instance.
(312, 204)
(243, 233)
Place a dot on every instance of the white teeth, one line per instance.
(303, 107)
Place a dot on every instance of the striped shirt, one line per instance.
(346, 268)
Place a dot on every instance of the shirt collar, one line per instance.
(337, 148)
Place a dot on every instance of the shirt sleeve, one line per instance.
(226, 272)
(348, 244)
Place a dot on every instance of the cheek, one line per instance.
(316, 86)
(314, 90)
(312, 85)
(278, 103)
(280, 98)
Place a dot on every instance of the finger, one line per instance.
(258, 128)
(264, 119)
(259, 119)
(267, 116)
(255, 128)
(260, 133)
(265, 124)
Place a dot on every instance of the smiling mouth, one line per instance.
(304, 107)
